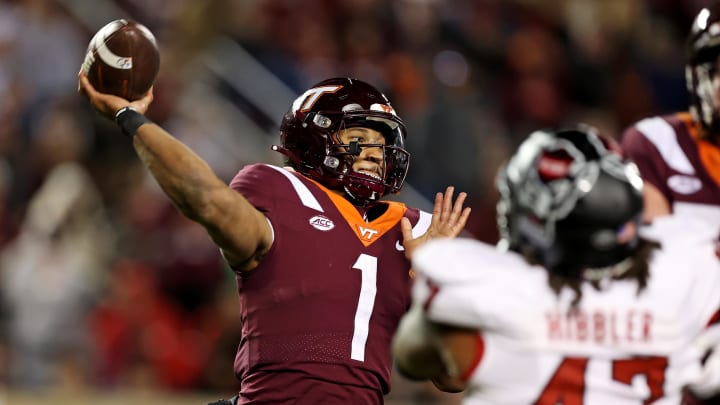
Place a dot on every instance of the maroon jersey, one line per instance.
(319, 312)
(683, 167)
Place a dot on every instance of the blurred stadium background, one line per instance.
(108, 296)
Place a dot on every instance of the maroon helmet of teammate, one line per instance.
(309, 136)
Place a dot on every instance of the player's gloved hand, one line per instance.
(708, 382)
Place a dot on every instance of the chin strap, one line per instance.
(363, 202)
(291, 156)
(352, 196)
(614, 271)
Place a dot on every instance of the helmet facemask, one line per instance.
(564, 203)
(703, 49)
(702, 95)
(341, 155)
(335, 171)
(311, 134)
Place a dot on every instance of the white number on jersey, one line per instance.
(368, 288)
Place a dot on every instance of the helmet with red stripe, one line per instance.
(569, 201)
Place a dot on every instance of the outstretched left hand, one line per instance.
(448, 220)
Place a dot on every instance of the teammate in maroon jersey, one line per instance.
(679, 154)
(320, 259)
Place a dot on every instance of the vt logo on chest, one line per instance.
(326, 218)
(366, 232)
(323, 223)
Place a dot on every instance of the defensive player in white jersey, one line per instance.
(582, 309)
(678, 153)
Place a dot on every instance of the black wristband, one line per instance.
(129, 120)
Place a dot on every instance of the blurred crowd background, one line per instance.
(104, 287)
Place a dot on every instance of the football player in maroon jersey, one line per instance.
(320, 258)
(679, 154)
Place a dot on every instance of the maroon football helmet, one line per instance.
(309, 136)
(703, 48)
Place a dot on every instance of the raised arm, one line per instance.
(239, 229)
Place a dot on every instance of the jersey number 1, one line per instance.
(368, 288)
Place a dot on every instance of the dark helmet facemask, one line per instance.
(702, 95)
(565, 198)
(310, 138)
(361, 186)
(703, 51)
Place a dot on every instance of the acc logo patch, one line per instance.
(684, 184)
(322, 223)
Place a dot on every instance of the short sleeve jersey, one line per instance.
(617, 347)
(319, 312)
(672, 157)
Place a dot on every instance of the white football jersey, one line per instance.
(618, 347)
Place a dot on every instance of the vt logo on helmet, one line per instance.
(310, 136)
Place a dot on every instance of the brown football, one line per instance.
(122, 59)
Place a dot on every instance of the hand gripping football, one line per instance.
(122, 59)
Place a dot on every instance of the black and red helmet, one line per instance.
(309, 136)
(703, 50)
(566, 197)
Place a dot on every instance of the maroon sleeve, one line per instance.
(258, 183)
(640, 150)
